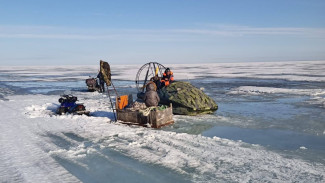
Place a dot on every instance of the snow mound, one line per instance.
(45, 110)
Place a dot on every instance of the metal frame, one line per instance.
(151, 66)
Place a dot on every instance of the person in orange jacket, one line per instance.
(167, 78)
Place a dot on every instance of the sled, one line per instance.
(155, 119)
(92, 84)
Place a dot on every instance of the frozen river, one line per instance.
(270, 126)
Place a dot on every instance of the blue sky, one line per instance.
(48, 32)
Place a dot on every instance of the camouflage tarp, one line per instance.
(187, 99)
(106, 72)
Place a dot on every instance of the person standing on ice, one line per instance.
(101, 82)
(151, 98)
(167, 78)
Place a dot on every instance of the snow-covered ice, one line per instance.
(259, 103)
(33, 138)
(293, 71)
(302, 147)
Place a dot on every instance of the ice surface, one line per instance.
(253, 90)
(317, 94)
(269, 137)
(36, 143)
(269, 127)
(292, 71)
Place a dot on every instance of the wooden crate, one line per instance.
(156, 118)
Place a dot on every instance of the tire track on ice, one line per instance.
(214, 159)
(22, 158)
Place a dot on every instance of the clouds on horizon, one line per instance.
(51, 32)
(201, 43)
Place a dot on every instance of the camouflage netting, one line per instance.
(106, 72)
(187, 99)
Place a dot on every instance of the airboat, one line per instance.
(135, 112)
(185, 98)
